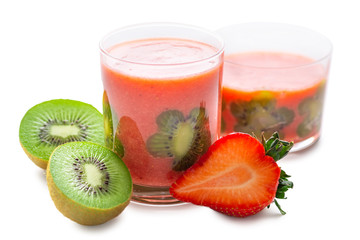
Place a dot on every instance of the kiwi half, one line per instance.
(88, 182)
(55, 122)
(184, 139)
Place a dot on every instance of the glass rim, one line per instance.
(314, 62)
(216, 36)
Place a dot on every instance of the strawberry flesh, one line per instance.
(234, 177)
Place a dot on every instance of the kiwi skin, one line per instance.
(42, 163)
(77, 212)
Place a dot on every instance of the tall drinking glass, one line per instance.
(162, 88)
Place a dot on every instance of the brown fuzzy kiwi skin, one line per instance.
(77, 212)
(42, 163)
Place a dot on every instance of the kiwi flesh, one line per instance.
(52, 123)
(182, 138)
(88, 183)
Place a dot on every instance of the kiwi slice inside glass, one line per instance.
(223, 122)
(108, 122)
(111, 140)
(260, 115)
(52, 123)
(88, 182)
(311, 109)
(182, 138)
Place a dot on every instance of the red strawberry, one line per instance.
(238, 176)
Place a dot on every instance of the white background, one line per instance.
(49, 50)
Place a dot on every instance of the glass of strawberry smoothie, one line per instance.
(162, 99)
(274, 80)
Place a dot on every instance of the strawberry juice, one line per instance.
(161, 105)
(273, 91)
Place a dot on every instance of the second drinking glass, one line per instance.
(275, 78)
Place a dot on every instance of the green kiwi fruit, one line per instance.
(182, 138)
(52, 123)
(88, 183)
(260, 115)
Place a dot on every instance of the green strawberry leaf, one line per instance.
(284, 185)
(276, 148)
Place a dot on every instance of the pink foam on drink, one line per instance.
(162, 51)
(142, 58)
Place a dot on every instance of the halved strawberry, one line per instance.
(238, 175)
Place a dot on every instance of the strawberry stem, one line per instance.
(277, 149)
(279, 207)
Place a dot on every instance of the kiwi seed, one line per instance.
(81, 182)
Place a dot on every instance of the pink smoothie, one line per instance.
(148, 78)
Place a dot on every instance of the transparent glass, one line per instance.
(274, 80)
(161, 104)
